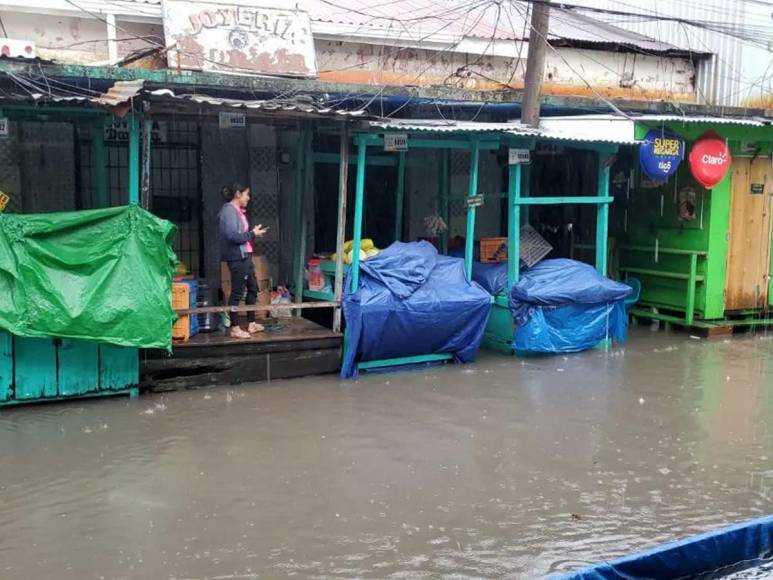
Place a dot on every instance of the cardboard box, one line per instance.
(264, 282)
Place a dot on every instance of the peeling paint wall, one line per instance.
(568, 71)
(78, 40)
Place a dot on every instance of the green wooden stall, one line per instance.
(53, 368)
(710, 268)
(500, 329)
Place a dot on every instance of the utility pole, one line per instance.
(535, 63)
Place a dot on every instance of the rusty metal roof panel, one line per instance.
(440, 126)
(270, 105)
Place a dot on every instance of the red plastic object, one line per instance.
(710, 159)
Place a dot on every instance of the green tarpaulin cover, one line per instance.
(103, 275)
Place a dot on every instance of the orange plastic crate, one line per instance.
(181, 329)
(493, 250)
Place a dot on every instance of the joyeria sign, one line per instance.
(709, 159)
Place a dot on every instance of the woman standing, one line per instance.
(236, 246)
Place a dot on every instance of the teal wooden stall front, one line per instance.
(41, 369)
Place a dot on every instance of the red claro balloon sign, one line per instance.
(709, 159)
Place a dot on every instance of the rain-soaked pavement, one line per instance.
(508, 467)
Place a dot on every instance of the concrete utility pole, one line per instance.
(535, 63)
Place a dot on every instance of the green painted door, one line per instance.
(78, 367)
(6, 365)
(35, 368)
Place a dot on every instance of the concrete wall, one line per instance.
(568, 71)
(75, 40)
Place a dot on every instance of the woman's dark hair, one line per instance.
(229, 191)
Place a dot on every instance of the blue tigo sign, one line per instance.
(660, 154)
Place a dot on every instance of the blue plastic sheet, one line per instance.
(412, 301)
(491, 277)
(711, 555)
(566, 306)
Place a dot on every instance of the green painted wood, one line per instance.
(132, 393)
(400, 197)
(718, 245)
(407, 360)
(691, 283)
(335, 158)
(99, 161)
(659, 250)
(6, 366)
(35, 368)
(577, 199)
(660, 273)
(602, 218)
(359, 202)
(489, 143)
(513, 224)
(119, 367)
(469, 242)
(500, 327)
(443, 193)
(317, 295)
(78, 371)
(134, 157)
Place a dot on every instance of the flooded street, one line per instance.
(509, 467)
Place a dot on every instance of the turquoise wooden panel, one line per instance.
(119, 367)
(78, 367)
(34, 368)
(6, 365)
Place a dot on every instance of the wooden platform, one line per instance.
(300, 348)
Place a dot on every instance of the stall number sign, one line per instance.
(119, 131)
(232, 120)
(3, 127)
(758, 188)
(475, 200)
(519, 157)
(395, 142)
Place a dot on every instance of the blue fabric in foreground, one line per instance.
(566, 306)
(710, 555)
(412, 301)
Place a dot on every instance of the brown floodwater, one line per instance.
(506, 468)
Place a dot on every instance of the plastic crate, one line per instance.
(493, 250)
(184, 295)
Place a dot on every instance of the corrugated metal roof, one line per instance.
(121, 92)
(589, 132)
(752, 122)
(434, 20)
(435, 126)
(611, 119)
(271, 105)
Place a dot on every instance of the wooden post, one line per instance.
(469, 247)
(343, 178)
(400, 197)
(99, 158)
(147, 130)
(359, 202)
(602, 217)
(535, 64)
(134, 158)
(298, 221)
(444, 193)
(513, 225)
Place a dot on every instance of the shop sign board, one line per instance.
(660, 154)
(239, 37)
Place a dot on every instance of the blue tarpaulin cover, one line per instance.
(492, 277)
(711, 555)
(412, 301)
(563, 305)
